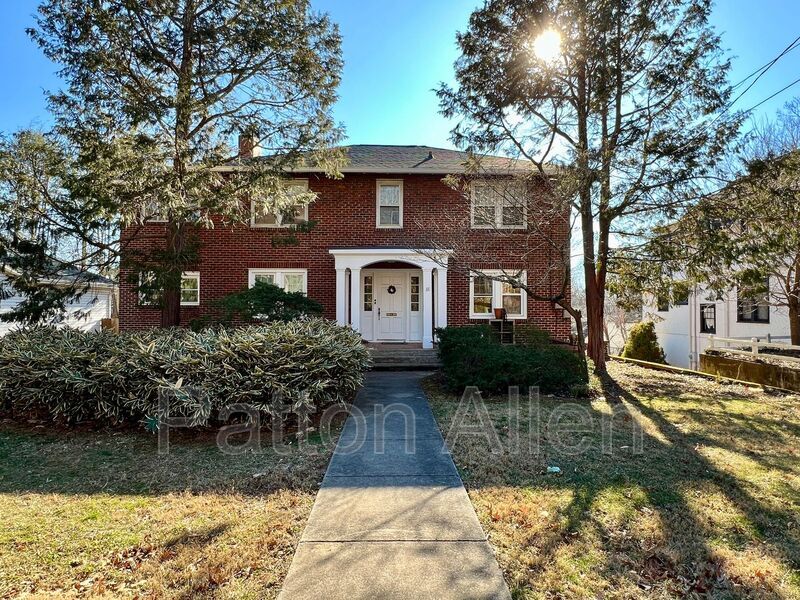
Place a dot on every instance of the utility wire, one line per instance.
(758, 73)
(768, 64)
(763, 70)
(768, 98)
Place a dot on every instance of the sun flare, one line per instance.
(547, 45)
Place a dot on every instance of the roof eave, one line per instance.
(400, 171)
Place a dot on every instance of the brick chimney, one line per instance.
(248, 146)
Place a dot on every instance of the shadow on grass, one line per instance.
(669, 520)
(196, 538)
(127, 462)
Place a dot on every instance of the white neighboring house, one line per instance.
(85, 313)
(683, 328)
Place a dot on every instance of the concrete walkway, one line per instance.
(392, 518)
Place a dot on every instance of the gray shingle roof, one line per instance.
(376, 158)
(67, 274)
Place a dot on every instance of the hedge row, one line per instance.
(472, 356)
(118, 377)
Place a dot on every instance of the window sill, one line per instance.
(388, 226)
(499, 228)
(483, 317)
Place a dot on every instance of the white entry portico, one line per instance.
(399, 304)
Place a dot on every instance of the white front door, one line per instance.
(391, 309)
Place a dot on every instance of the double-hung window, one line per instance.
(289, 280)
(190, 289)
(753, 308)
(487, 293)
(152, 212)
(662, 302)
(681, 293)
(295, 214)
(389, 207)
(708, 318)
(499, 204)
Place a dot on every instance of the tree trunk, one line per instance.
(595, 287)
(596, 348)
(171, 308)
(578, 318)
(176, 230)
(594, 296)
(794, 319)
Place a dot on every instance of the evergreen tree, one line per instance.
(629, 102)
(154, 92)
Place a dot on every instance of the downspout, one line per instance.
(693, 358)
(728, 312)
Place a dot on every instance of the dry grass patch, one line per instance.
(100, 514)
(709, 508)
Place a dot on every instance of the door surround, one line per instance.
(349, 263)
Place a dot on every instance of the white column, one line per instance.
(441, 297)
(355, 299)
(427, 307)
(341, 296)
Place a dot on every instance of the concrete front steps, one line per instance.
(402, 357)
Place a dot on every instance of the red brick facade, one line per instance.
(345, 216)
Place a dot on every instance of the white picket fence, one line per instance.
(721, 343)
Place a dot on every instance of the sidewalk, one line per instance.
(392, 518)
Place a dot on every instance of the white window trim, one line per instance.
(184, 275)
(192, 275)
(279, 276)
(142, 300)
(497, 296)
(498, 211)
(150, 214)
(279, 224)
(378, 185)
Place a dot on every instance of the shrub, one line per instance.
(642, 344)
(74, 375)
(472, 356)
(528, 334)
(262, 303)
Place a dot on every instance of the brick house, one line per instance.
(377, 259)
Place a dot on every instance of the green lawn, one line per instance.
(709, 508)
(98, 514)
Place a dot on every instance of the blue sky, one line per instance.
(397, 52)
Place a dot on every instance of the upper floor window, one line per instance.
(499, 204)
(662, 302)
(289, 280)
(152, 212)
(753, 308)
(487, 293)
(681, 293)
(389, 210)
(295, 214)
(190, 289)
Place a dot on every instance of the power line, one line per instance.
(763, 70)
(768, 64)
(768, 98)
